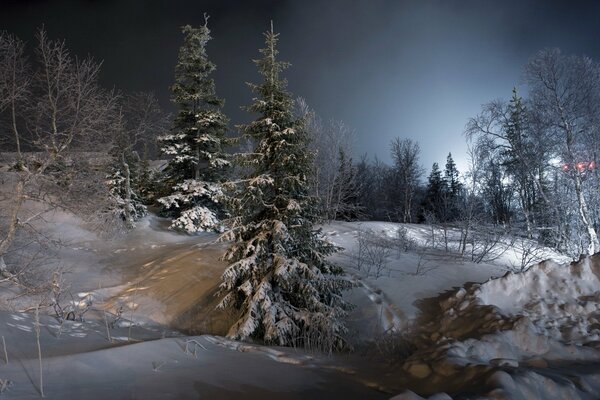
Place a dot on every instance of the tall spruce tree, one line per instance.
(451, 176)
(434, 202)
(279, 281)
(198, 163)
(123, 178)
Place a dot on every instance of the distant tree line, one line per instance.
(532, 164)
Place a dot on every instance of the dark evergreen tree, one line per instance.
(124, 177)
(451, 175)
(198, 163)
(454, 190)
(279, 280)
(434, 201)
(496, 192)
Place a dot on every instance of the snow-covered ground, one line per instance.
(524, 335)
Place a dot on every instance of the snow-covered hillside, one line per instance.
(426, 321)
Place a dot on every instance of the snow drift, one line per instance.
(562, 301)
(524, 335)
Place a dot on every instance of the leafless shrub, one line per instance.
(191, 347)
(372, 253)
(489, 243)
(431, 221)
(104, 314)
(66, 112)
(423, 266)
(73, 310)
(118, 317)
(402, 241)
(528, 252)
(5, 384)
(394, 345)
(156, 365)
(319, 340)
(57, 286)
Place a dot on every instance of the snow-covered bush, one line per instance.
(403, 242)
(125, 205)
(191, 206)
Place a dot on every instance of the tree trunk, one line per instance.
(406, 218)
(592, 236)
(526, 214)
(16, 132)
(13, 224)
(197, 169)
(128, 207)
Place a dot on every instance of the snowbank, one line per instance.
(562, 301)
(530, 335)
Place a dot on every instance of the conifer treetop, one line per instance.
(193, 86)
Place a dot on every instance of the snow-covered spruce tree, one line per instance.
(280, 282)
(127, 204)
(123, 177)
(195, 144)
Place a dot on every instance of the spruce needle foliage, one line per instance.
(196, 143)
(280, 282)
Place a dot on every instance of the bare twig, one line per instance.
(132, 309)
(5, 352)
(37, 336)
(108, 336)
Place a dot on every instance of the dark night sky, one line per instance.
(415, 69)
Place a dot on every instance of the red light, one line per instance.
(581, 166)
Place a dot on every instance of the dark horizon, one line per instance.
(387, 68)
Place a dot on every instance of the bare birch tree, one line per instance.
(407, 172)
(329, 140)
(15, 83)
(565, 90)
(64, 109)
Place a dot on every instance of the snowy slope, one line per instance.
(522, 336)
